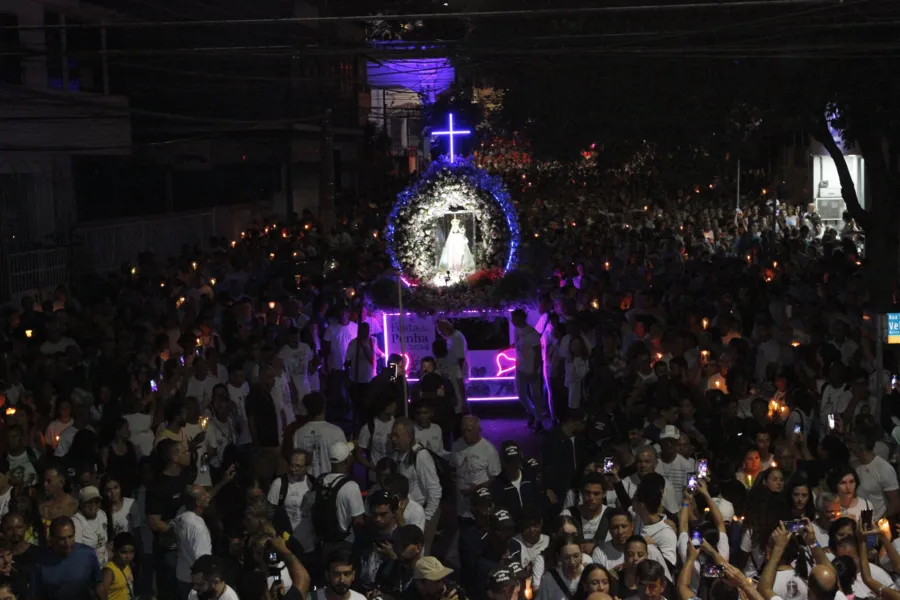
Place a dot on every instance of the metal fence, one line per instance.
(104, 246)
(38, 271)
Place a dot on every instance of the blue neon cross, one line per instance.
(450, 133)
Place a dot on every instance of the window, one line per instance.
(10, 49)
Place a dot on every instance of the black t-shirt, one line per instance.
(165, 498)
(261, 407)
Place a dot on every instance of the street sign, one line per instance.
(893, 328)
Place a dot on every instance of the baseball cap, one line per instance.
(501, 518)
(339, 451)
(512, 453)
(89, 493)
(533, 463)
(430, 569)
(379, 498)
(516, 569)
(670, 432)
(500, 577)
(481, 493)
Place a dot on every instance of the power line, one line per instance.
(532, 13)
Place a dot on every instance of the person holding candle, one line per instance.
(844, 482)
(750, 467)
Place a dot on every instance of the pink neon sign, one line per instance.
(505, 364)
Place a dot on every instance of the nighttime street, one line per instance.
(449, 300)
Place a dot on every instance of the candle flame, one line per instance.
(271, 306)
(705, 323)
(795, 344)
(29, 333)
(10, 411)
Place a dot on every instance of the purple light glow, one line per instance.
(450, 133)
(428, 77)
(510, 360)
(492, 398)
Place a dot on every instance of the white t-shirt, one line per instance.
(297, 505)
(227, 594)
(377, 441)
(414, 514)
(860, 590)
(141, 433)
(757, 555)
(588, 527)
(609, 556)
(126, 518)
(296, 361)
(194, 541)
(201, 390)
(29, 475)
(475, 465)
(317, 437)
(362, 363)
(537, 569)
(722, 548)
(92, 533)
(339, 336)
(349, 502)
(834, 400)
(529, 553)
(320, 595)
(675, 473)
(665, 539)
(49, 348)
(669, 500)
(528, 346)
(875, 479)
(458, 349)
(219, 435)
(432, 438)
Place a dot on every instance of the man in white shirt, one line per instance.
(238, 390)
(529, 369)
(476, 461)
(544, 328)
(337, 338)
(362, 354)
(340, 573)
(318, 435)
(645, 460)
(457, 351)
(411, 511)
(648, 508)
(297, 356)
(351, 509)
(417, 465)
(671, 465)
(200, 384)
(193, 536)
(295, 500)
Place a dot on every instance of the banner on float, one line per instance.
(893, 320)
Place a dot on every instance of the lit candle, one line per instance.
(774, 464)
(885, 526)
(749, 259)
(212, 281)
(233, 243)
(606, 264)
(203, 422)
(774, 264)
(284, 234)
(749, 480)
(306, 226)
(10, 411)
(198, 343)
(29, 333)
(718, 383)
(795, 344)
(266, 230)
(271, 306)
(595, 304)
(528, 592)
(57, 441)
(537, 235)
(645, 208)
(243, 234)
(194, 265)
(705, 323)
(375, 235)
(271, 256)
(134, 270)
(162, 284)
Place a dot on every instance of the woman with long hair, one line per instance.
(563, 568)
(803, 502)
(119, 459)
(763, 511)
(594, 578)
(562, 526)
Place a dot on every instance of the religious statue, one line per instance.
(456, 258)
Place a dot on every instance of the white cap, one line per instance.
(670, 432)
(339, 451)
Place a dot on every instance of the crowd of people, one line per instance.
(703, 386)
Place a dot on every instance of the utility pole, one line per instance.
(326, 179)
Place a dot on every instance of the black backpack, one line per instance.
(324, 511)
(442, 466)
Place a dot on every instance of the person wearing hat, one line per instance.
(502, 583)
(349, 510)
(515, 487)
(90, 523)
(671, 465)
(500, 544)
(430, 582)
(473, 535)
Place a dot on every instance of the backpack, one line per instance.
(324, 511)
(442, 466)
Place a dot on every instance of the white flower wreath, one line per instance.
(459, 186)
